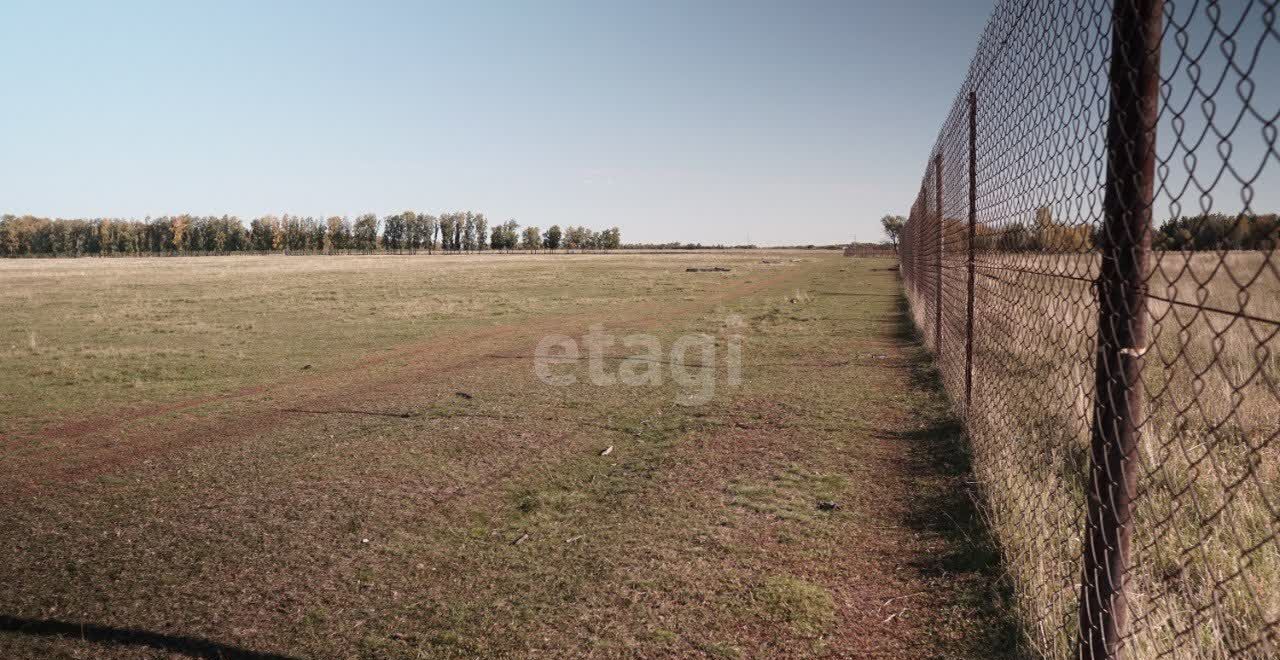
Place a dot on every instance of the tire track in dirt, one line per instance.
(102, 444)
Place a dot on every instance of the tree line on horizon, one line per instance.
(1206, 231)
(407, 232)
(677, 245)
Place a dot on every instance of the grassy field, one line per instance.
(353, 457)
(87, 333)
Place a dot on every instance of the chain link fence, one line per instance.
(1092, 259)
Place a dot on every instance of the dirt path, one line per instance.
(816, 509)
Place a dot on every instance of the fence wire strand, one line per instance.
(1058, 192)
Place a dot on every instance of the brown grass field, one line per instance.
(348, 457)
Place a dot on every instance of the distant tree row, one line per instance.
(1216, 231)
(677, 245)
(409, 232)
(1210, 231)
(1045, 235)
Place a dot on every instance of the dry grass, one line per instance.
(448, 526)
(1206, 554)
(84, 334)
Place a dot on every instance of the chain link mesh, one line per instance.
(1201, 574)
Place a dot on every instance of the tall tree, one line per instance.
(366, 232)
(551, 239)
(178, 232)
(469, 233)
(447, 221)
(531, 239)
(430, 225)
(482, 231)
(393, 233)
(412, 231)
(893, 226)
(611, 239)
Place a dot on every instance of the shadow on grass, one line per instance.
(947, 503)
(195, 647)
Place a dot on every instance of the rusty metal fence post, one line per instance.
(922, 255)
(1122, 324)
(973, 232)
(937, 291)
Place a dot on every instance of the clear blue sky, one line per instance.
(726, 121)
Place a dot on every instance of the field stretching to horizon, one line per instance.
(359, 457)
